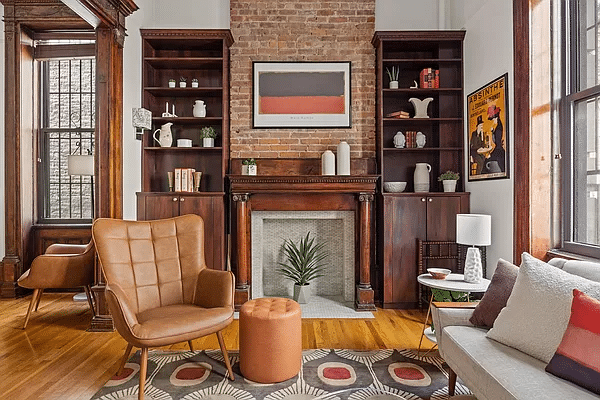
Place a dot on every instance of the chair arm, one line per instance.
(122, 313)
(214, 289)
(60, 248)
(444, 315)
(59, 271)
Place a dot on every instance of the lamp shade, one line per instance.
(80, 164)
(474, 229)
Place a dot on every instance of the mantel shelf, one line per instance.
(303, 183)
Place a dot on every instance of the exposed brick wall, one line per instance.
(302, 30)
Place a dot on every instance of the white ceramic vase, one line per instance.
(420, 106)
(343, 158)
(248, 169)
(473, 269)
(421, 177)
(199, 110)
(393, 84)
(449, 185)
(208, 142)
(328, 163)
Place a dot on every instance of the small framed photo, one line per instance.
(301, 94)
(488, 134)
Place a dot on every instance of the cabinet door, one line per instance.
(441, 217)
(405, 221)
(212, 211)
(157, 207)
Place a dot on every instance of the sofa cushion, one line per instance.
(577, 358)
(498, 292)
(538, 309)
(494, 371)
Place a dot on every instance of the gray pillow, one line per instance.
(495, 298)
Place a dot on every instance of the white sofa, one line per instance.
(493, 371)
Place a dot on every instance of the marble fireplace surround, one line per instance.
(303, 193)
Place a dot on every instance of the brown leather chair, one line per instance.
(158, 287)
(62, 266)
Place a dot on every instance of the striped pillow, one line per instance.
(577, 358)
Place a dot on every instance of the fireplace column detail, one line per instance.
(242, 287)
(364, 291)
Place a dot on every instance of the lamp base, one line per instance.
(473, 269)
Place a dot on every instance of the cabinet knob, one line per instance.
(430, 199)
(182, 199)
(175, 199)
(423, 199)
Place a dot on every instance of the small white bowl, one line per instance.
(439, 273)
(394, 187)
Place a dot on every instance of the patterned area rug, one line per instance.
(326, 374)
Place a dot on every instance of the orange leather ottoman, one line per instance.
(270, 339)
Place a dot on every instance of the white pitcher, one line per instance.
(421, 178)
(165, 138)
(199, 110)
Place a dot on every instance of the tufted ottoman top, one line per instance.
(270, 308)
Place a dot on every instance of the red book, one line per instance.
(437, 78)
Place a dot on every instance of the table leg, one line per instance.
(425, 324)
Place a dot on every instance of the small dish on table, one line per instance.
(439, 273)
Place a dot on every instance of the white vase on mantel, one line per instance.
(343, 158)
(328, 163)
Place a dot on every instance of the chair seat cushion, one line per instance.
(178, 323)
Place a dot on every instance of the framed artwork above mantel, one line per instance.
(301, 94)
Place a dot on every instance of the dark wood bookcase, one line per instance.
(192, 54)
(406, 217)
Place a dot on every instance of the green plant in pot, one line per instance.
(305, 262)
(449, 179)
(208, 135)
(249, 166)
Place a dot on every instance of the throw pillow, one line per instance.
(539, 307)
(494, 299)
(577, 358)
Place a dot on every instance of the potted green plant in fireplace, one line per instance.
(305, 262)
(208, 135)
(449, 179)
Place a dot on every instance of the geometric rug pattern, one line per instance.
(328, 374)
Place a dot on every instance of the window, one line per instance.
(67, 119)
(581, 129)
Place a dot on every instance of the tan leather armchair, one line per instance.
(62, 266)
(158, 287)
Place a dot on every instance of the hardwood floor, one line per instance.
(55, 358)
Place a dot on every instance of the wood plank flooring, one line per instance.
(56, 358)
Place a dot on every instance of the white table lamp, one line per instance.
(473, 230)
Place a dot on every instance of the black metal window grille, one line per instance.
(68, 122)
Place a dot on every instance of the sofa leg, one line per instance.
(451, 382)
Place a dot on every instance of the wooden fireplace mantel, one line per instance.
(303, 193)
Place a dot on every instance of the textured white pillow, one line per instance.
(538, 309)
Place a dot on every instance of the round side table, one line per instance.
(454, 282)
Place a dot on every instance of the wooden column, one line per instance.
(242, 287)
(364, 292)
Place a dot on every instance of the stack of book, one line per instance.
(430, 78)
(184, 179)
(411, 139)
(398, 114)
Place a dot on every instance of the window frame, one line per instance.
(573, 37)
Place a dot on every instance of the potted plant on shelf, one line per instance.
(449, 179)
(249, 166)
(171, 83)
(195, 83)
(182, 82)
(208, 135)
(393, 75)
(304, 264)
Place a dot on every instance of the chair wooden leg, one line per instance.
(37, 302)
(451, 382)
(124, 359)
(88, 294)
(191, 345)
(34, 298)
(225, 355)
(143, 369)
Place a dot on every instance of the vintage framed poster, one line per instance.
(488, 134)
(301, 94)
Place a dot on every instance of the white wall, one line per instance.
(488, 49)
(2, 202)
(197, 14)
(393, 15)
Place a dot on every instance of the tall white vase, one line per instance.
(421, 177)
(343, 159)
(328, 163)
